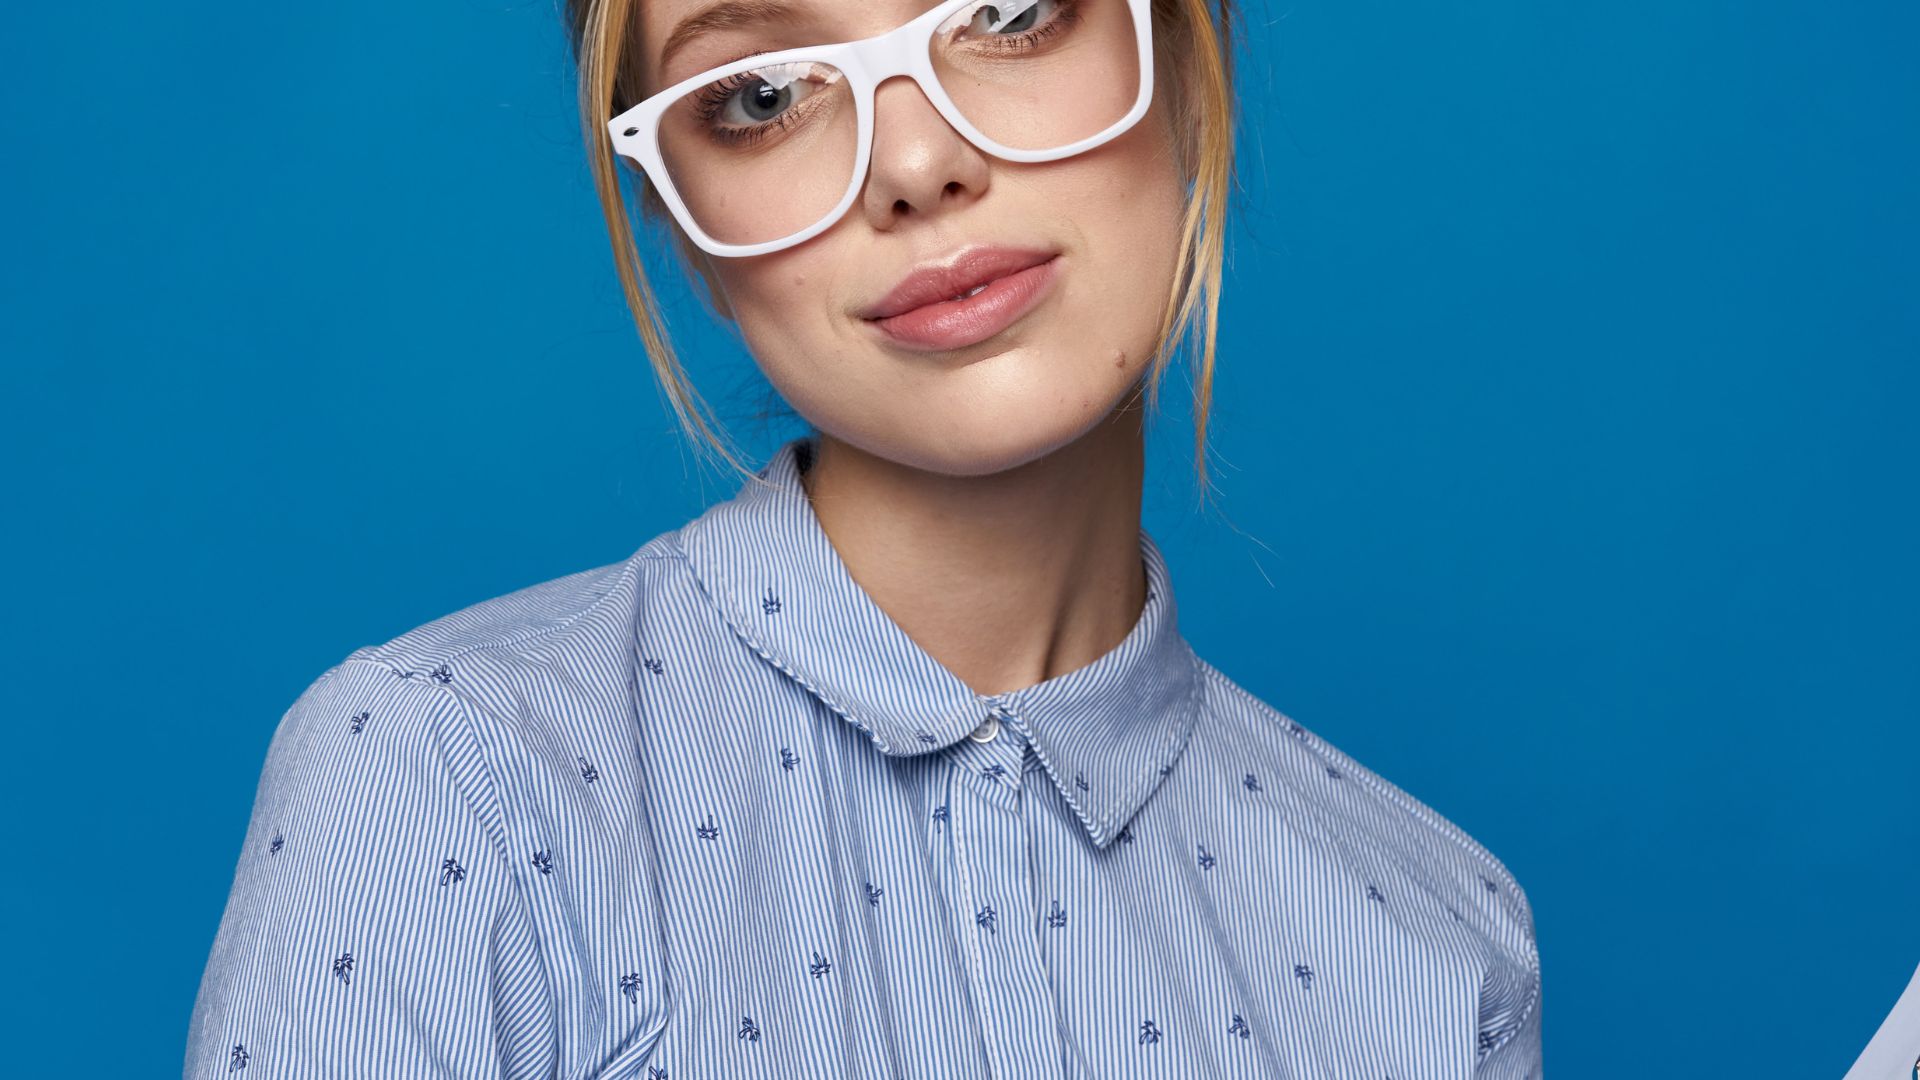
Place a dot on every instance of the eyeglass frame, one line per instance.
(865, 63)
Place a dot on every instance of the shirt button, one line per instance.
(987, 730)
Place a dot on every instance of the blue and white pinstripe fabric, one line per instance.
(708, 812)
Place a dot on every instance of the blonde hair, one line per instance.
(1191, 37)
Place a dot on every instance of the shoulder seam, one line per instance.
(488, 770)
(1433, 819)
(1381, 784)
(373, 653)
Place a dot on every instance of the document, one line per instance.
(1894, 1052)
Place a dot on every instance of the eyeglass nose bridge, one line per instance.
(907, 50)
(867, 103)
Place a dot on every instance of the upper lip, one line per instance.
(933, 282)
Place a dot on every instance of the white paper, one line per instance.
(1894, 1052)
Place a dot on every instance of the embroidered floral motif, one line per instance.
(1206, 858)
(1080, 781)
(653, 665)
(707, 829)
(442, 674)
(748, 1030)
(1252, 783)
(587, 771)
(873, 893)
(1057, 916)
(274, 848)
(451, 871)
(1374, 894)
(770, 603)
(1305, 975)
(940, 814)
(237, 1059)
(788, 759)
(543, 862)
(985, 916)
(1125, 835)
(1333, 772)
(630, 986)
(1148, 1032)
(1238, 1027)
(343, 968)
(819, 967)
(359, 721)
(994, 771)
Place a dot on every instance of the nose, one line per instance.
(921, 167)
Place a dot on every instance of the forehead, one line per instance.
(657, 14)
(685, 34)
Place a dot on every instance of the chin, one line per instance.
(952, 446)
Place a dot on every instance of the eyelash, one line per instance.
(714, 98)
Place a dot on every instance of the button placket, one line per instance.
(993, 766)
(992, 908)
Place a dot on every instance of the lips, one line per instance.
(965, 273)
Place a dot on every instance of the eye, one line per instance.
(760, 102)
(755, 100)
(1011, 16)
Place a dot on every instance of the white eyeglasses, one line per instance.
(768, 151)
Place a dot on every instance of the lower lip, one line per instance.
(955, 324)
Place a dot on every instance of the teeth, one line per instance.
(975, 291)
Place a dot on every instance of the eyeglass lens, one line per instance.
(765, 153)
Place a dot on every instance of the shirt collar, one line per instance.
(1107, 733)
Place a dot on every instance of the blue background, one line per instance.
(1564, 424)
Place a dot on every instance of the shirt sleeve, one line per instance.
(375, 926)
(1518, 1057)
(1510, 1015)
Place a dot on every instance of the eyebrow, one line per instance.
(726, 15)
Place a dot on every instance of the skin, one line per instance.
(987, 498)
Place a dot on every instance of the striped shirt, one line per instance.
(709, 812)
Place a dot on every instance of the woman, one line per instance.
(895, 763)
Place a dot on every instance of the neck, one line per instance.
(1008, 579)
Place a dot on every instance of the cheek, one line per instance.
(1134, 208)
(781, 303)
(1130, 195)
